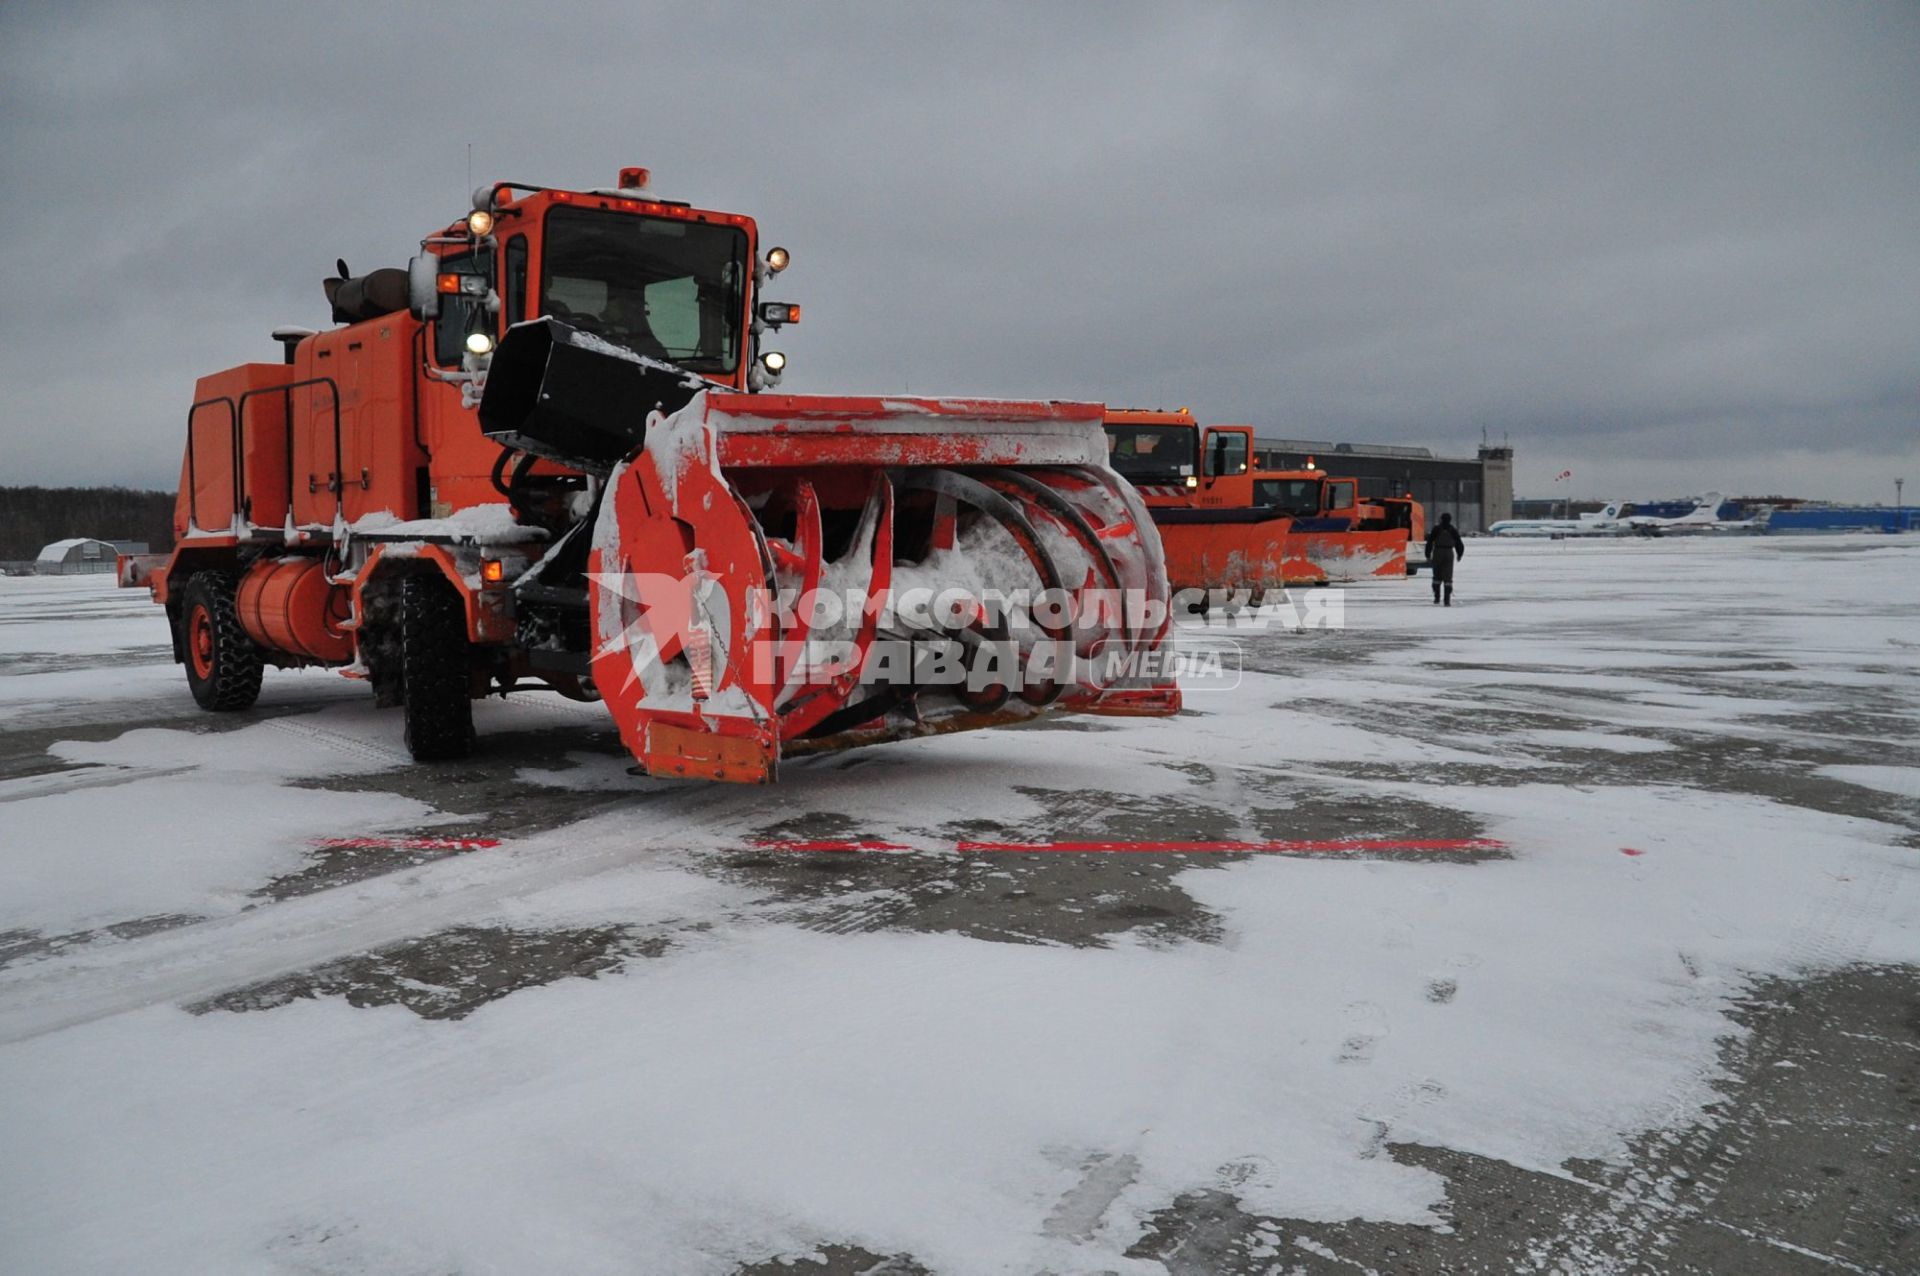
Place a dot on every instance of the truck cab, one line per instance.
(1156, 451)
(1310, 497)
(1175, 463)
(661, 278)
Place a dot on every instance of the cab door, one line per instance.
(1226, 467)
(461, 457)
(1341, 499)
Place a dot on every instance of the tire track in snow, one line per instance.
(90, 776)
(197, 962)
(339, 741)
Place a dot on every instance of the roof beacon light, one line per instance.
(777, 259)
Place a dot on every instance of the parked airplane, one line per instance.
(1605, 521)
(1608, 521)
(1702, 518)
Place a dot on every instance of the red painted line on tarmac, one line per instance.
(1336, 846)
(406, 843)
(1313, 847)
(828, 844)
(1631, 850)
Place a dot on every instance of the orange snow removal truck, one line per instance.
(1227, 525)
(551, 453)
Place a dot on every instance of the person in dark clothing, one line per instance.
(1443, 547)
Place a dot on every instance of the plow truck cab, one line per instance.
(551, 453)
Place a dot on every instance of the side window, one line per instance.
(516, 280)
(1340, 496)
(1226, 453)
(460, 313)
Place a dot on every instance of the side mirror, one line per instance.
(423, 286)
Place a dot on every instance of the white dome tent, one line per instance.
(83, 555)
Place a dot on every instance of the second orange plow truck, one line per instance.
(1226, 525)
(551, 453)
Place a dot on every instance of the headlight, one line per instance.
(777, 259)
(480, 222)
(1193, 480)
(479, 343)
(774, 362)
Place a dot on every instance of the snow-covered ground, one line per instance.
(225, 1048)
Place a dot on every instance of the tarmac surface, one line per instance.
(1664, 679)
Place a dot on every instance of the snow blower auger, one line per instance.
(549, 454)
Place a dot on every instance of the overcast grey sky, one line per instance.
(1670, 247)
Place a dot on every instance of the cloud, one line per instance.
(1658, 238)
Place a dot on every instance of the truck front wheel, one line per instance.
(223, 664)
(435, 670)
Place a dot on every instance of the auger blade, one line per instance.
(781, 575)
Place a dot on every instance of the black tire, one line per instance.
(223, 664)
(435, 670)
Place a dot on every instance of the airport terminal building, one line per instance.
(1478, 492)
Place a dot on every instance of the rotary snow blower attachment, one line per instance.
(779, 574)
(556, 458)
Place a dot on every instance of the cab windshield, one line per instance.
(1298, 497)
(660, 286)
(1143, 452)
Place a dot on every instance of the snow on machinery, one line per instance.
(1228, 526)
(548, 454)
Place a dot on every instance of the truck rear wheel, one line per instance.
(435, 670)
(223, 664)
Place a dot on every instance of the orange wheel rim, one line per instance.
(200, 642)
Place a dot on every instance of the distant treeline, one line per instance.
(34, 517)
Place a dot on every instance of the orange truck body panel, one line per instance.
(236, 448)
(355, 452)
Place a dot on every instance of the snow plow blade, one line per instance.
(774, 575)
(1343, 555)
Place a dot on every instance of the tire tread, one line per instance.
(435, 670)
(238, 668)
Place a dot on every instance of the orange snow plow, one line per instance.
(549, 454)
(1228, 526)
